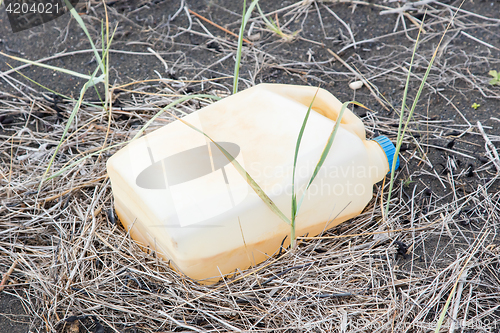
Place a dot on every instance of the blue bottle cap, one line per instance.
(389, 150)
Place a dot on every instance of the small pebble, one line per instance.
(356, 85)
(254, 37)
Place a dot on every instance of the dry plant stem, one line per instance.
(178, 323)
(159, 58)
(218, 26)
(359, 77)
(6, 276)
(370, 233)
(406, 7)
(401, 133)
(73, 189)
(452, 292)
(343, 23)
(479, 41)
(490, 147)
(456, 307)
(89, 237)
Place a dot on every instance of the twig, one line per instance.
(479, 41)
(490, 148)
(466, 12)
(159, 58)
(410, 6)
(218, 26)
(178, 323)
(343, 23)
(284, 272)
(458, 296)
(360, 77)
(371, 233)
(6, 275)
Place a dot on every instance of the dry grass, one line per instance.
(370, 274)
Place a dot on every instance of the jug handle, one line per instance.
(325, 104)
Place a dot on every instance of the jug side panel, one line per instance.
(343, 185)
(208, 269)
(141, 222)
(263, 231)
(324, 103)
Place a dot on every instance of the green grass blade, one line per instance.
(297, 147)
(405, 94)
(266, 20)
(299, 140)
(100, 151)
(79, 20)
(66, 129)
(269, 23)
(62, 70)
(445, 309)
(292, 222)
(91, 82)
(239, 49)
(66, 71)
(105, 55)
(415, 101)
(53, 91)
(328, 145)
(399, 139)
(244, 21)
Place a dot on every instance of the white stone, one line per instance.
(356, 85)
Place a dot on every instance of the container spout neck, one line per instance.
(381, 153)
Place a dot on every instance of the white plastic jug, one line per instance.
(178, 195)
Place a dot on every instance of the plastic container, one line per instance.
(178, 195)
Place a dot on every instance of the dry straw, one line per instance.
(67, 258)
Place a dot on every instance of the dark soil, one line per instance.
(13, 317)
(454, 85)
